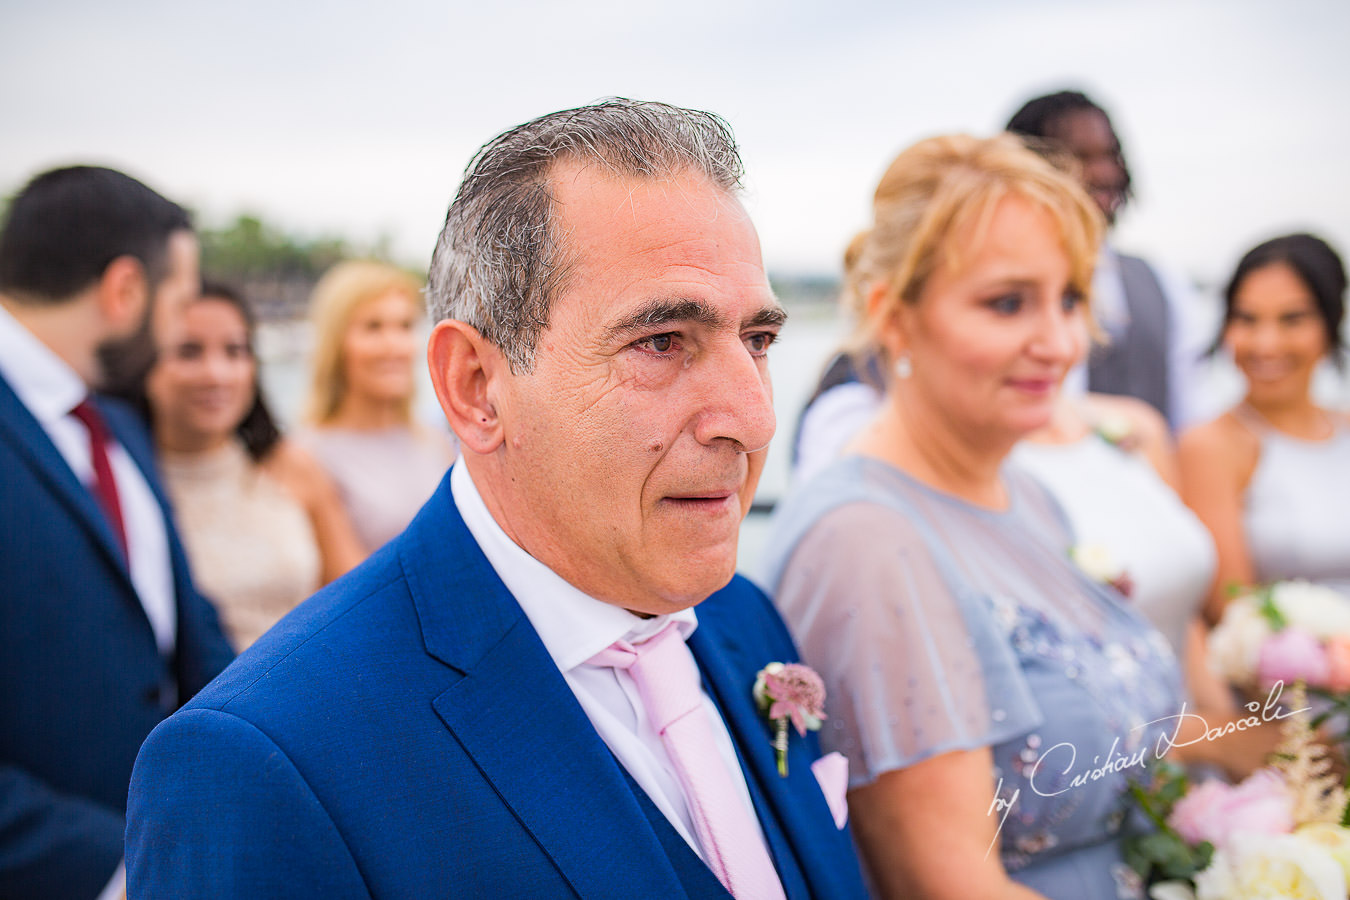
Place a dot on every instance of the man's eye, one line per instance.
(760, 342)
(658, 343)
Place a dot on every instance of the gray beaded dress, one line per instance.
(938, 625)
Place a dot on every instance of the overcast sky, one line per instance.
(357, 119)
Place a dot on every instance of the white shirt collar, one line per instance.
(43, 381)
(573, 625)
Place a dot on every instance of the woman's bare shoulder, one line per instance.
(1226, 442)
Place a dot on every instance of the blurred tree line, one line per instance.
(276, 270)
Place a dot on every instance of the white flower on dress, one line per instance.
(1005, 612)
(1098, 563)
(1124, 666)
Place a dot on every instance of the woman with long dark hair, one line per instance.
(262, 524)
(1271, 477)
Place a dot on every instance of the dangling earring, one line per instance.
(903, 366)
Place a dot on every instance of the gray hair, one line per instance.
(499, 262)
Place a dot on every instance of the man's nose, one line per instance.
(738, 401)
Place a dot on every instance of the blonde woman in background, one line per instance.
(359, 412)
(974, 672)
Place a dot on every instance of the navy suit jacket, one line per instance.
(81, 680)
(404, 733)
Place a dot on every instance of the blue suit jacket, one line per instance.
(404, 733)
(81, 680)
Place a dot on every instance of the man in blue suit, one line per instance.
(458, 717)
(101, 633)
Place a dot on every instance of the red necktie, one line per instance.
(668, 682)
(105, 487)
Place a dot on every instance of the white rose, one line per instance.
(1235, 643)
(1332, 838)
(1258, 867)
(1316, 609)
(1171, 890)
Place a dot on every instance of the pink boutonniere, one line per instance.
(792, 693)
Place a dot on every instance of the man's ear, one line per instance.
(122, 293)
(464, 370)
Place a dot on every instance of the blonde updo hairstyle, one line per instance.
(944, 189)
(332, 305)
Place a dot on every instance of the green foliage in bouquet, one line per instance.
(1164, 855)
(1270, 611)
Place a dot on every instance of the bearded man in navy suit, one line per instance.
(101, 633)
(445, 720)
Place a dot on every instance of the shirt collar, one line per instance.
(42, 381)
(573, 625)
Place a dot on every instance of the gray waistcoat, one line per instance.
(1136, 365)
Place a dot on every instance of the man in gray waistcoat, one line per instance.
(1155, 339)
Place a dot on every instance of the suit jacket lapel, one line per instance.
(791, 810)
(513, 713)
(26, 435)
(135, 440)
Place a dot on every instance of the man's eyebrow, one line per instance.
(664, 312)
(768, 317)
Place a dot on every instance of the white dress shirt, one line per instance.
(574, 627)
(50, 389)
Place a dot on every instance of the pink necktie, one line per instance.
(668, 682)
(105, 487)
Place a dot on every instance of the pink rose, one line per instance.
(1215, 811)
(1292, 655)
(1338, 663)
(1199, 815)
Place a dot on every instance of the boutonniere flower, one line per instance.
(1099, 565)
(792, 693)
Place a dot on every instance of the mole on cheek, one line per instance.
(656, 446)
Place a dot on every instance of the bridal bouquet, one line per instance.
(1290, 631)
(1280, 833)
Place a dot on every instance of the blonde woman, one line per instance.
(973, 671)
(359, 412)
